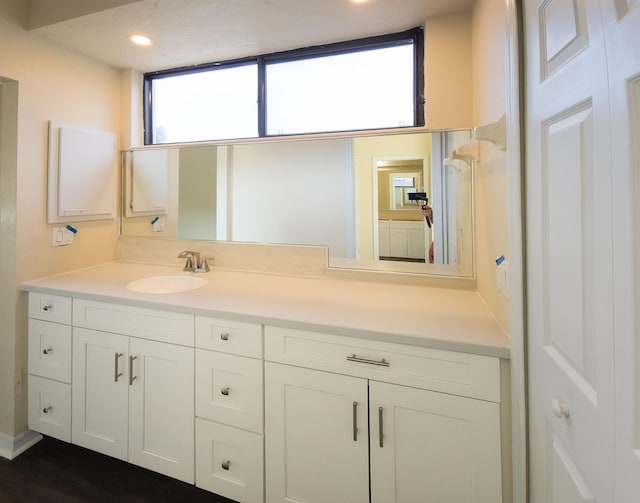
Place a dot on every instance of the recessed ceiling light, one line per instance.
(140, 39)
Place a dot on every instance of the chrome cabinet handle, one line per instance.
(355, 421)
(224, 336)
(381, 428)
(47, 351)
(48, 307)
(225, 391)
(47, 409)
(131, 376)
(381, 363)
(116, 374)
(225, 464)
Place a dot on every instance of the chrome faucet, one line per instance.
(194, 263)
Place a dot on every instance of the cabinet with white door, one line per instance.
(424, 444)
(132, 397)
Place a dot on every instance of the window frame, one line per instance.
(414, 36)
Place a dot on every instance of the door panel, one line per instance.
(161, 403)
(428, 446)
(622, 28)
(311, 453)
(99, 392)
(569, 253)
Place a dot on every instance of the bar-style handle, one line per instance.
(116, 374)
(47, 351)
(131, 376)
(47, 409)
(381, 428)
(380, 363)
(355, 421)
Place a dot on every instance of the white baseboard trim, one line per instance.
(12, 447)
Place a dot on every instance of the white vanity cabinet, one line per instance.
(229, 409)
(133, 397)
(50, 365)
(431, 431)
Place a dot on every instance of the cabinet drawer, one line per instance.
(229, 462)
(162, 326)
(50, 350)
(446, 371)
(234, 337)
(50, 307)
(50, 408)
(229, 389)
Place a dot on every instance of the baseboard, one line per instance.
(12, 447)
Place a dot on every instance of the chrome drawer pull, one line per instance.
(225, 391)
(47, 351)
(381, 363)
(116, 374)
(131, 376)
(381, 432)
(355, 421)
(225, 336)
(47, 409)
(47, 307)
(225, 464)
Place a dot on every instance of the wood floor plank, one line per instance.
(56, 472)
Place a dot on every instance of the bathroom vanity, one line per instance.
(264, 387)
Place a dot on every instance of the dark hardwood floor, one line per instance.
(57, 472)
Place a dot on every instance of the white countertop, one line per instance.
(440, 318)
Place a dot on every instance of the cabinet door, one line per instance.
(428, 446)
(315, 436)
(99, 392)
(161, 408)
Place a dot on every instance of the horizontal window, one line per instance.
(373, 83)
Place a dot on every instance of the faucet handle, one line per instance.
(203, 266)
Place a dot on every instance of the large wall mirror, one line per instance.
(361, 197)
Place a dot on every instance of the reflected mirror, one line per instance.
(359, 196)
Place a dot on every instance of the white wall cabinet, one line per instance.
(133, 400)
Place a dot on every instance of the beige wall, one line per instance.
(53, 84)
(489, 103)
(448, 72)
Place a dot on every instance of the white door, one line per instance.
(161, 408)
(583, 108)
(622, 35)
(316, 443)
(428, 446)
(99, 392)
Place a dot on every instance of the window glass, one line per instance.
(208, 105)
(358, 90)
(370, 83)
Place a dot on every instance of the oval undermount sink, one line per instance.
(167, 283)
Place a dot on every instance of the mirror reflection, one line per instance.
(393, 202)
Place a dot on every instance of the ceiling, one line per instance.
(188, 32)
